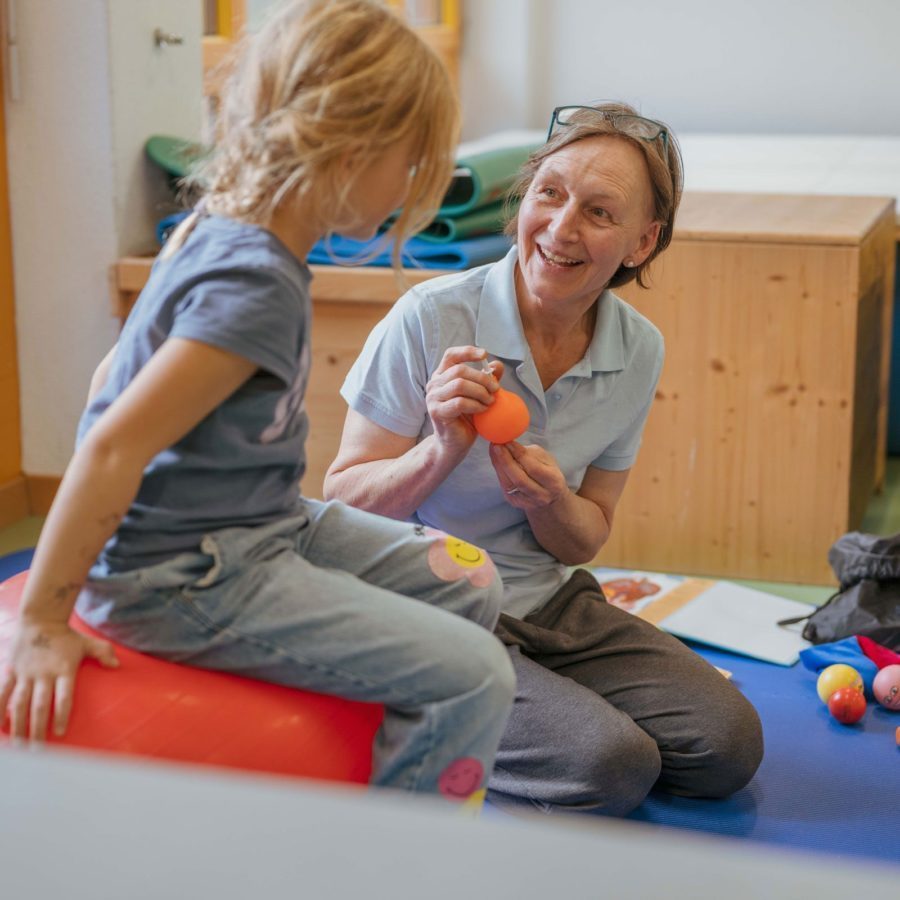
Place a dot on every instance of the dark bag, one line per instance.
(868, 601)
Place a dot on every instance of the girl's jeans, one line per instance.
(343, 602)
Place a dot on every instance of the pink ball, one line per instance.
(886, 687)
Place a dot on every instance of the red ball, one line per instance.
(847, 705)
(504, 420)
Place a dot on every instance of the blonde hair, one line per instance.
(664, 167)
(324, 81)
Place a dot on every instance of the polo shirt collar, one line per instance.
(607, 350)
(499, 327)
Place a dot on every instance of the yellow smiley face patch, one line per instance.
(451, 559)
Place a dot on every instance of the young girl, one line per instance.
(178, 526)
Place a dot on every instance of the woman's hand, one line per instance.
(40, 675)
(457, 391)
(529, 476)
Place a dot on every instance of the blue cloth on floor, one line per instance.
(822, 786)
(846, 651)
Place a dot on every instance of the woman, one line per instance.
(607, 705)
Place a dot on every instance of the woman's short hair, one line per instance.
(664, 167)
(324, 81)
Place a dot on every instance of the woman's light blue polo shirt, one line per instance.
(591, 416)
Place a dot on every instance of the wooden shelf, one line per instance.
(363, 285)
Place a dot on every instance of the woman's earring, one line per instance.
(628, 262)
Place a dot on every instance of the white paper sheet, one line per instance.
(742, 620)
(726, 615)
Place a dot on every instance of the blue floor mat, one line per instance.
(13, 563)
(822, 786)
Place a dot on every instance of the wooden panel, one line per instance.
(444, 40)
(231, 16)
(10, 420)
(744, 468)
(876, 278)
(361, 285)
(788, 218)
(13, 501)
(339, 332)
(41, 492)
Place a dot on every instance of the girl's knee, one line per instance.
(475, 666)
(485, 603)
(489, 604)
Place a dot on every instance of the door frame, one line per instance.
(14, 503)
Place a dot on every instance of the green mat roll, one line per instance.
(483, 178)
(177, 157)
(485, 220)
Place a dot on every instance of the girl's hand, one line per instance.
(457, 391)
(529, 476)
(40, 674)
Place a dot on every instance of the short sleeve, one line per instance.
(387, 382)
(622, 452)
(253, 313)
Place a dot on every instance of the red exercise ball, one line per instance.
(150, 707)
(504, 420)
(847, 705)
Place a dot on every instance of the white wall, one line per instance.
(93, 87)
(782, 66)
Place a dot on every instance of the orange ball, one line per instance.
(504, 420)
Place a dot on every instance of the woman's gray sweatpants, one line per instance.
(608, 706)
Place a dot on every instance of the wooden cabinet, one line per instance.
(767, 435)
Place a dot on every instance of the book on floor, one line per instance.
(719, 613)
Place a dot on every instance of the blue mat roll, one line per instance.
(417, 253)
(421, 253)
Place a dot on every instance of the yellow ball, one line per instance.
(836, 677)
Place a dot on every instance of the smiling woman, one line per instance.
(607, 705)
(587, 214)
(652, 139)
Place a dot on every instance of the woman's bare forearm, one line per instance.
(572, 528)
(394, 487)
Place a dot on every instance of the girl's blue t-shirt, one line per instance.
(237, 287)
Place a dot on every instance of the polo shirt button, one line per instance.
(557, 397)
